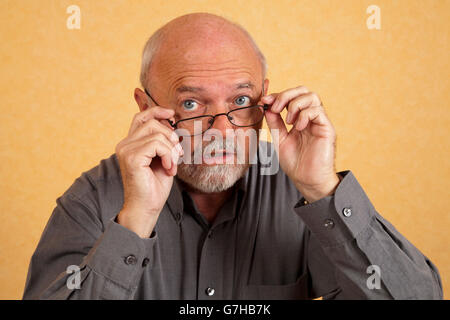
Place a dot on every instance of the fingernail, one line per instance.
(299, 126)
(267, 98)
(175, 158)
(180, 149)
(289, 118)
(274, 107)
(174, 137)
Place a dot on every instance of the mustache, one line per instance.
(230, 146)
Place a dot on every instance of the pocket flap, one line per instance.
(292, 291)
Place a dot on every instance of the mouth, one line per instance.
(219, 157)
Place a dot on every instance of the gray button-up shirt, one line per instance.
(265, 243)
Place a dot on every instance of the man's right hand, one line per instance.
(148, 159)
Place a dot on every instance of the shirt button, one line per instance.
(210, 291)
(131, 259)
(145, 262)
(328, 223)
(209, 234)
(347, 212)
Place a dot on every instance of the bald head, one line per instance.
(198, 38)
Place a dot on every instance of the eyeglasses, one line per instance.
(240, 117)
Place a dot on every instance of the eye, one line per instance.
(242, 101)
(189, 104)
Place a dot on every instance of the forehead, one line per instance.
(188, 57)
(239, 85)
(178, 74)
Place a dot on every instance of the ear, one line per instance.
(141, 99)
(266, 86)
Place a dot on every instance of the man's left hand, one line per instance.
(307, 150)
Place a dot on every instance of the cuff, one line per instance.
(121, 255)
(338, 218)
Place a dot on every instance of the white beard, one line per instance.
(211, 179)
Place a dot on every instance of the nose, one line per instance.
(221, 129)
(221, 121)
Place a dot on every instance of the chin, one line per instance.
(211, 178)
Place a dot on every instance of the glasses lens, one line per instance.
(249, 116)
(193, 127)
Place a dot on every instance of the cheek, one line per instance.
(196, 142)
(188, 144)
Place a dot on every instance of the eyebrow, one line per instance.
(189, 89)
(245, 85)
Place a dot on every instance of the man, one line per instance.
(142, 225)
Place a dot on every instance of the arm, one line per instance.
(75, 237)
(351, 235)
(110, 255)
(361, 238)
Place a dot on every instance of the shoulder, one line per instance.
(98, 189)
(100, 176)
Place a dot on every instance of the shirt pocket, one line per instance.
(292, 291)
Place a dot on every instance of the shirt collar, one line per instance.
(175, 200)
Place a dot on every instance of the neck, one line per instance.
(208, 204)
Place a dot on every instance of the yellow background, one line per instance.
(66, 99)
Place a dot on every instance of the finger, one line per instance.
(157, 148)
(161, 150)
(306, 100)
(155, 112)
(314, 115)
(275, 122)
(155, 126)
(269, 99)
(176, 150)
(286, 96)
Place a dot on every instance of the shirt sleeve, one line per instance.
(370, 259)
(79, 258)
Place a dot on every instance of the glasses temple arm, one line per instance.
(150, 96)
(172, 124)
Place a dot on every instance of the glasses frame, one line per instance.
(213, 117)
